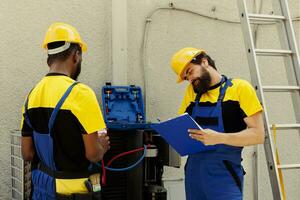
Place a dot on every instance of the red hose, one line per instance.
(124, 154)
(103, 180)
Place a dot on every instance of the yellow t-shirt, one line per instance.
(240, 101)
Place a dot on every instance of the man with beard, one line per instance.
(231, 117)
(61, 123)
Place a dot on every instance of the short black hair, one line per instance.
(62, 56)
(198, 60)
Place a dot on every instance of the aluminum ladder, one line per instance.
(287, 40)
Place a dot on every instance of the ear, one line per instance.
(205, 62)
(76, 57)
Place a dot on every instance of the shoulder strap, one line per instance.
(228, 83)
(197, 99)
(58, 106)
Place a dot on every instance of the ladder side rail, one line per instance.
(255, 168)
(255, 77)
(291, 38)
(295, 56)
(292, 63)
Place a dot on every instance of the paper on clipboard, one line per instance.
(175, 132)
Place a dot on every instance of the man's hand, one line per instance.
(252, 135)
(206, 136)
(103, 140)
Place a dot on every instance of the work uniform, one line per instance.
(218, 174)
(56, 113)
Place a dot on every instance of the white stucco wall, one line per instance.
(170, 30)
(22, 62)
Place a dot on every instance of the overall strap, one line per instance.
(197, 99)
(58, 106)
(64, 174)
(228, 83)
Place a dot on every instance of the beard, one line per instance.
(77, 72)
(202, 83)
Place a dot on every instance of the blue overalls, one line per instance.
(215, 174)
(43, 178)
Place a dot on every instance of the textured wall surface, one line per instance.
(168, 30)
(22, 63)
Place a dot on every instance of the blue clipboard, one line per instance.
(175, 132)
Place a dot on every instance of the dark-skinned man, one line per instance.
(61, 123)
(231, 117)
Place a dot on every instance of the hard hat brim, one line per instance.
(83, 47)
(179, 80)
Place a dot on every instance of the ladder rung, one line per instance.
(290, 166)
(263, 17)
(286, 126)
(272, 52)
(280, 88)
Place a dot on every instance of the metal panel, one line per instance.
(20, 170)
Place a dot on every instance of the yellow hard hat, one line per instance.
(63, 32)
(182, 58)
